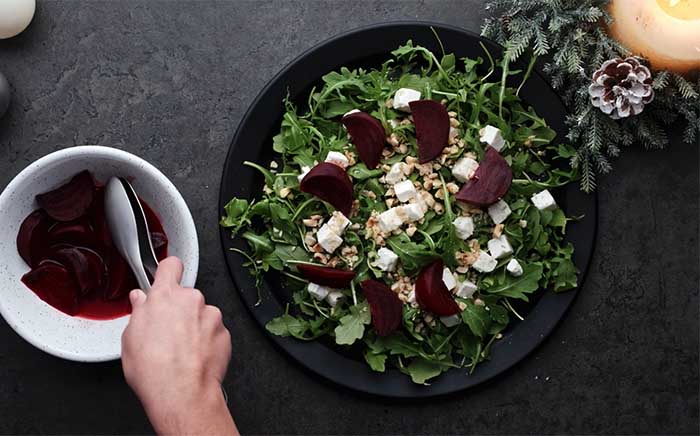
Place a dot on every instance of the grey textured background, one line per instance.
(170, 80)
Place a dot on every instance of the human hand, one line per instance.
(175, 352)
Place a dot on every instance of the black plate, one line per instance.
(369, 47)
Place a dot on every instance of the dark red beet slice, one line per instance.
(384, 305)
(160, 244)
(85, 265)
(331, 183)
(431, 292)
(117, 273)
(79, 233)
(32, 235)
(490, 182)
(55, 285)
(432, 128)
(69, 201)
(326, 276)
(368, 136)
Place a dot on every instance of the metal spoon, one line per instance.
(129, 229)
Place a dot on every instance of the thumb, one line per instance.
(137, 298)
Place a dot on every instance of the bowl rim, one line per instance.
(189, 278)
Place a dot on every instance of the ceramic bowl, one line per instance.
(40, 324)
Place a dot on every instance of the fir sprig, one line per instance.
(570, 36)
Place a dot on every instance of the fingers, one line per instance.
(169, 273)
(137, 297)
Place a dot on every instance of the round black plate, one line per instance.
(369, 47)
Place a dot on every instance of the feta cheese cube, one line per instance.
(338, 159)
(499, 211)
(412, 296)
(338, 223)
(451, 321)
(410, 212)
(403, 97)
(317, 291)
(464, 169)
(386, 260)
(492, 136)
(544, 201)
(485, 263)
(464, 226)
(448, 279)
(500, 247)
(395, 174)
(389, 220)
(328, 239)
(514, 268)
(354, 111)
(334, 297)
(405, 190)
(304, 171)
(465, 289)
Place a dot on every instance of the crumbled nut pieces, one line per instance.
(411, 230)
(389, 202)
(316, 248)
(389, 103)
(522, 223)
(466, 258)
(497, 230)
(461, 305)
(267, 190)
(369, 194)
(273, 165)
(321, 257)
(452, 188)
(454, 122)
(284, 192)
(310, 222)
(350, 156)
(439, 208)
(474, 245)
(355, 209)
(309, 239)
(403, 148)
(479, 302)
(393, 140)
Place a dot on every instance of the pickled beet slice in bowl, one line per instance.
(384, 305)
(368, 135)
(32, 236)
(78, 233)
(431, 292)
(52, 282)
(491, 181)
(326, 276)
(71, 200)
(432, 128)
(86, 266)
(330, 183)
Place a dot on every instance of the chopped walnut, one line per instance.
(497, 230)
(317, 248)
(454, 122)
(474, 245)
(273, 165)
(403, 149)
(369, 194)
(310, 222)
(393, 140)
(350, 156)
(321, 258)
(411, 230)
(390, 202)
(452, 188)
(439, 208)
(309, 239)
(479, 302)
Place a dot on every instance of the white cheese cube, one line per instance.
(465, 289)
(338, 223)
(389, 220)
(410, 212)
(464, 169)
(448, 279)
(405, 190)
(514, 268)
(354, 111)
(317, 291)
(328, 239)
(464, 226)
(395, 174)
(338, 159)
(334, 297)
(492, 136)
(485, 263)
(304, 171)
(500, 247)
(403, 97)
(544, 200)
(499, 211)
(412, 296)
(386, 260)
(451, 321)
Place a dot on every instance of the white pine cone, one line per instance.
(621, 87)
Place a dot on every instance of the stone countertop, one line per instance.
(170, 80)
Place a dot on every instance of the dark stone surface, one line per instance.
(170, 81)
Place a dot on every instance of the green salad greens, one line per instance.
(283, 226)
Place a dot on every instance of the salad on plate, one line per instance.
(410, 210)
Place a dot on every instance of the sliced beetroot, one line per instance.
(330, 183)
(79, 233)
(432, 128)
(431, 292)
(71, 200)
(51, 282)
(119, 277)
(326, 276)
(384, 305)
(490, 182)
(368, 136)
(32, 236)
(85, 265)
(160, 244)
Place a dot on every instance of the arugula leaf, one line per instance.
(352, 325)
(477, 318)
(235, 213)
(422, 370)
(413, 256)
(518, 287)
(376, 361)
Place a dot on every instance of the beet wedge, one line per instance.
(326, 276)
(32, 234)
(384, 305)
(71, 200)
(368, 136)
(77, 233)
(490, 182)
(85, 265)
(432, 128)
(431, 292)
(330, 183)
(51, 282)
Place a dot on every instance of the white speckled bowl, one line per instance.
(43, 326)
